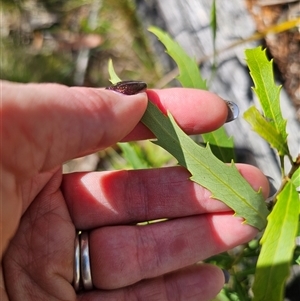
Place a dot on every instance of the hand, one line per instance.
(44, 125)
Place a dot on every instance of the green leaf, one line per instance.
(266, 130)
(189, 73)
(296, 178)
(132, 155)
(156, 156)
(213, 22)
(190, 77)
(145, 154)
(267, 91)
(213, 26)
(114, 78)
(278, 243)
(221, 145)
(224, 181)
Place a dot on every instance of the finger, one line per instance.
(47, 124)
(123, 255)
(195, 283)
(195, 111)
(122, 197)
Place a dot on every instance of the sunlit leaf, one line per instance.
(266, 130)
(114, 78)
(190, 77)
(278, 243)
(296, 178)
(267, 91)
(189, 73)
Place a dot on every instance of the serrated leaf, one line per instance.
(190, 77)
(114, 78)
(261, 71)
(224, 181)
(189, 73)
(266, 130)
(278, 243)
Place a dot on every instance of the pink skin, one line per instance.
(45, 125)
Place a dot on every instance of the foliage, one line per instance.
(69, 42)
(189, 74)
(190, 77)
(271, 126)
(278, 241)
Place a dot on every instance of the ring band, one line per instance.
(76, 268)
(86, 274)
(82, 276)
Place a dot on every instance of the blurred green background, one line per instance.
(70, 42)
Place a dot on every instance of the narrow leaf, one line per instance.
(224, 181)
(114, 78)
(267, 91)
(266, 130)
(190, 77)
(213, 26)
(189, 73)
(132, 155)
(278, 243)
(213, 22)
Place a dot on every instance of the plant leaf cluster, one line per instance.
(278, 241)
(271, 125)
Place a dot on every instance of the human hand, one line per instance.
(46, 125)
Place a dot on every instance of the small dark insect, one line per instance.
(128, 87)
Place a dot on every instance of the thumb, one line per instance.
(44, 125)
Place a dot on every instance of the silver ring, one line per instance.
(82, 275)
(76, 267)
(86, 273)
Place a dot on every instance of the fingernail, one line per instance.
(233, 111)
(128, 87)
(226, 275)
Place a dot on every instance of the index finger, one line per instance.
(195, 111)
